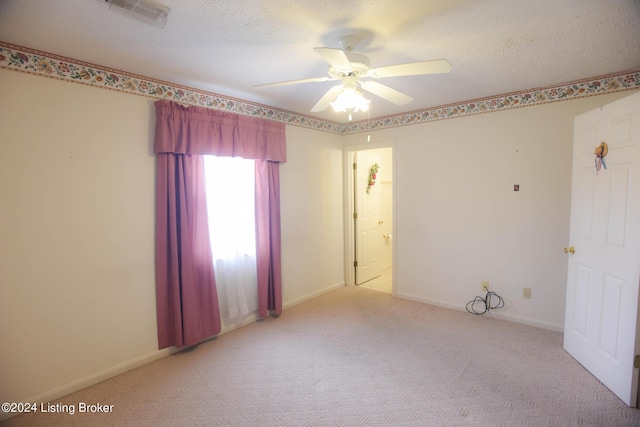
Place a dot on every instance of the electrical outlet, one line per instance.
(485, 286)
(526, 293)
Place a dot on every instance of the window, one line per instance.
(230, 189)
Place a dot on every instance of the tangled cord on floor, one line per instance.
(486, 304)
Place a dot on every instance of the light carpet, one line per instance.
(357, 357)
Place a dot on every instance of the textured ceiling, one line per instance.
(229, 46)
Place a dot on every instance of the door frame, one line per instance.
(349, 227)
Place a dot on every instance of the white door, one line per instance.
(601, 323)
(368, 218)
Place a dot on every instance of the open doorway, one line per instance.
(369, 216)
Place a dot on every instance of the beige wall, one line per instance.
(459, 222)
(311, 214)
(77, 177)
(77, 234)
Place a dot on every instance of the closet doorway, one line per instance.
(369, 216)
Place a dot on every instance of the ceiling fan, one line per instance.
(350, 68)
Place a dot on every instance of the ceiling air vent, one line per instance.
(145, 11)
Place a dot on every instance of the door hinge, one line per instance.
(636, 361)
(355, 166)
(355, 263)
(355, 215)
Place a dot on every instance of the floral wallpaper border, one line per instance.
(32, 61)
(577, 89)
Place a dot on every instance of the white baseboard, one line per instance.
(289, 304)
(511, 318)
(96, 378)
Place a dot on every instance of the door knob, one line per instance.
(380, 222)
(570, 250)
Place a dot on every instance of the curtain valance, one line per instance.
(197, 130)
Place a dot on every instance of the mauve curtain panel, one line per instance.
(268, 238)
(187, 303)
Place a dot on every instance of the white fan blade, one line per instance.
(336, 57)
(435, 66)
(327, 99)
(385, 92)
(296, 82)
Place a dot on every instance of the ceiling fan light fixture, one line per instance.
(350, 99)
(146, 11)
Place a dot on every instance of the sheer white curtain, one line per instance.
(230, 187)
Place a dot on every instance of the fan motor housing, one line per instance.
(359, 66)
